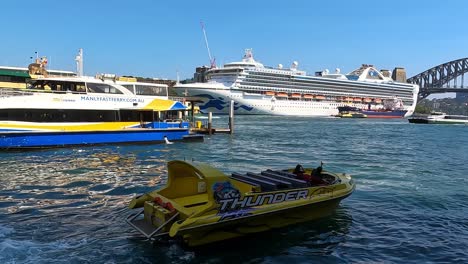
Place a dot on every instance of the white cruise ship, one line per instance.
(257, 89)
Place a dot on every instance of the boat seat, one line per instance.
(283, 173)
(266, 185)
(281, 183)
(255, 186)
(296, 183)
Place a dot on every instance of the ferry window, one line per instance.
(129, 87)
(12, 79)
(38, 85)
(58, 115)
(71, 86)
(80, 87)
(102, 88)
(129, 115)
(151, 90)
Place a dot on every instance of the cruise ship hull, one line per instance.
(217, 101)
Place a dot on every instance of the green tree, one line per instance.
(422, 109)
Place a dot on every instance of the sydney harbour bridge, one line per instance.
(448, 77)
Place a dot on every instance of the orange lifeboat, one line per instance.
(320, 97)
(367, 100)
(296, 95)
(348, 99)
(281, 94)
(270, 93)
(377, 100)
(357, 99)
(308, 96)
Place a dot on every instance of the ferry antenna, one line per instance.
(212, 61)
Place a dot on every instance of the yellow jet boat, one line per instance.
(201, 204)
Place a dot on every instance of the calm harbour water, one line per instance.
(410, 205)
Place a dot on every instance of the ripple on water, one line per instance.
(410, 205)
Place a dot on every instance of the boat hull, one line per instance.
(418, 120)
(440, 118)
(385, 114)
(441, 121)
(218, 102)
(54, 139)
(259, 223)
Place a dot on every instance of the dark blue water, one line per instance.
(410, 205)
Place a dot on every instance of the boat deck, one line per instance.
(270, 180)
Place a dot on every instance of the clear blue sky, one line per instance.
(157, 38)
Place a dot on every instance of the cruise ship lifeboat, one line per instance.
(320, 97)
(357, 99)
(281, 94)
(348, 99)
(308, 96)
(270, 93)
(367, 100)
(296, 95)
(201, 204)
(377, 100)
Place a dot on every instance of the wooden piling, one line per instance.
(192, 104)
(210, 119)
(231, 117)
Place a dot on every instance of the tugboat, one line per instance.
(201, 205)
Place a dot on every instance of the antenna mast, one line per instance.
(79, 62)
(212, 61)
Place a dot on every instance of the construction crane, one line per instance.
(212, 60)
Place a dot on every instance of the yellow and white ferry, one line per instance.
(63, 111)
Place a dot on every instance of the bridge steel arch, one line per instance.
(434, 79)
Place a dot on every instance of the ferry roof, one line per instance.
(96, 80)
(141, 83)
(14, 72)
(9, 68)
(165, 105)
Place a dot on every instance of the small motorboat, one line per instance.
(439, 118)
(201, 204)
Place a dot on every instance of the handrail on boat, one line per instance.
(131, 218)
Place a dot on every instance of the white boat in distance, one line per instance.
(440, 118)
(257, 89)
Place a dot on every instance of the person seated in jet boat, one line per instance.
(315, 178)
